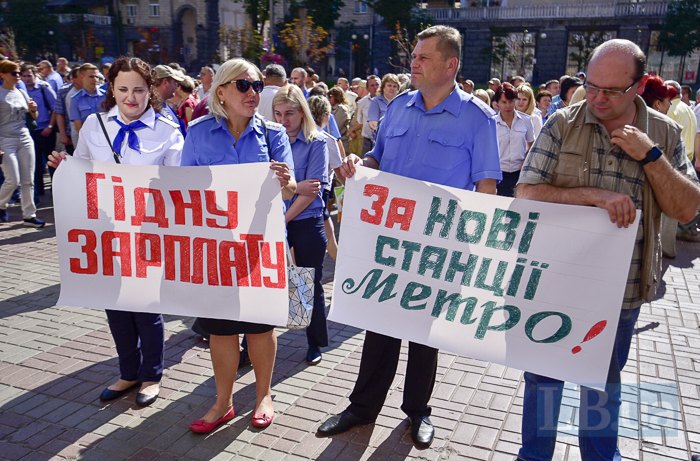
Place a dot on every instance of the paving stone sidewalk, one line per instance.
(55, 361)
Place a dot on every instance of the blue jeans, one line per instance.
(598, 411)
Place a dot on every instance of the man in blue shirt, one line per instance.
(88, 100)
(438, 134)
(50, 76)
(44, 135)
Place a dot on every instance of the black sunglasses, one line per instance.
(244, 85)
(15, 73)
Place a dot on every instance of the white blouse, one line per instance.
(160, 142)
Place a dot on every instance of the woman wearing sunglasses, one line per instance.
(17, 145)
(233, 134)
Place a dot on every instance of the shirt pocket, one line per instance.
(85, 109)
(571, 170)
(446, 150)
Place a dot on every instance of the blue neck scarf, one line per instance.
(131, 130)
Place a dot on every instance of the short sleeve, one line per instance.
(485, 158)
(281, 150)
(189, 154)
(540, 162)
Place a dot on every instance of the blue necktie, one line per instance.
(133, 139)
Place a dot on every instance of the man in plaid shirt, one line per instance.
(612, 152)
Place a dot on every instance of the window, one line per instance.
(360, 7)
(131, 10)
(154, 8)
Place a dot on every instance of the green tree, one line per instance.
(681, 33)
(402, 12)
(324, 12)
(31, 24)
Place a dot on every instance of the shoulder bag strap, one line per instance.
(104, 130)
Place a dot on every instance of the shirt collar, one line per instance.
(301, 137)
(641, 119)
(451, 103)
(148, 118)
(98, 92)
(255, 124)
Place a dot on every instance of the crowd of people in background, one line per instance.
(308, 132)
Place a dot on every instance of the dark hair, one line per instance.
(505, 89)
(318, 90)
(567, 84)
(542, 94)
(27, 67)
(655, 90)
(129, 64)
(338, 95)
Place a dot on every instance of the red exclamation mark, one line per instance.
(592, 333)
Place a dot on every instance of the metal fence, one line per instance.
(603, 10)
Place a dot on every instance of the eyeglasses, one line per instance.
(244, 85)
(592, 90)
(15, 73)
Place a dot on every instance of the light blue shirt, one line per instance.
(45, 99)
(209, 142)
(83, 104)
(55, 80)
(332, 127)
(310, 162)
(377, 108)
(453, 144)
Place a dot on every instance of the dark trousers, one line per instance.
(380, 357)
(506, 188)
(307, 237)
(43, 146)
(139, 339)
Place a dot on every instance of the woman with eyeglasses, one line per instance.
(16, 145)
(137, 136)
(305, 228)
(233, 134)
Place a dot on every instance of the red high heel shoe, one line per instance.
(261, 420)
(202, 427)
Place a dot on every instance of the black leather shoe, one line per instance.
(108, 394)
(144, 400)
(422, 431)
(340, 423)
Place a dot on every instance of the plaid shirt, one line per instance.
(610, 169)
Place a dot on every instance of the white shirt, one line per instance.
(513, 140)
(334, 160)
(351, 98)
(265, 106)
(362, 111)
(536, 119)
(160, 142)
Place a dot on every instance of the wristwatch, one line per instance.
(653, 155)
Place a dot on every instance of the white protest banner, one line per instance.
(532, 285)
(195, 241)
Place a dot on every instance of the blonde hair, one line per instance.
(227, 72)
(292, 95)
(320, 107)
(526, 90)
(483, 95)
